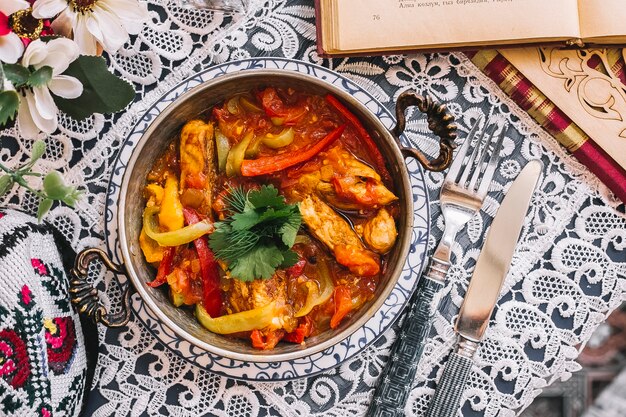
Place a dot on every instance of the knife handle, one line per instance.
(448, 394)
(396, 379)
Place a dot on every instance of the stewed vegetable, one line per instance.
(271, 218)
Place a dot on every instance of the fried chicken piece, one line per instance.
(245, 296)
(345, 182)
(332, 230)
(380, 233)
(197, 162)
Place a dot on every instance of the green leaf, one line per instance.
(44, 207)
(54, 186)
(9, 103)
(289, 230)
(40, 77)
(267, 196)
(245, 220)
(290, 259)
(39, 148)
(103, 92)
(261, 262)
(6, 183)
(17, 74)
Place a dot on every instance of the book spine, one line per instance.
(552, 119)
(604, 167)
(318, 30)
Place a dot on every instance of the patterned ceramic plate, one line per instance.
(332, 356)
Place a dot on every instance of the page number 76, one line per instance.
(375, 17)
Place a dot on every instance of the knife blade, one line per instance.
(481, 297)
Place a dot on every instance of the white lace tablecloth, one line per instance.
(568, 273)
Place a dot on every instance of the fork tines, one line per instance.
(475, 172)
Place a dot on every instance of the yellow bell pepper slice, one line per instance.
(236, 155)
(171, 214)
(176, 237)
(150, 248)
(317, 296)
(244, 321)
(283, 139)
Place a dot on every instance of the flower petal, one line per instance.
(132, 14)
(45, 125)
(66, 86)
(35, 53)
(43, 9)
(25, 123)
(44, 102)
(8, 7)
(61, 52)
(11, 48)
(84, 39)
(107, 28)
(62, 24)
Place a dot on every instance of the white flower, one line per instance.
(37, 111)
(11, 47)
(104, 22)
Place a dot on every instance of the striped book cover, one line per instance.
(554, 120)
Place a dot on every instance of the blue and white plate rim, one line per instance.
(335, 355)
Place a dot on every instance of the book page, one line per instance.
(602, 18)
(402, 24)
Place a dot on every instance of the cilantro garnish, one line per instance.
(257, 237)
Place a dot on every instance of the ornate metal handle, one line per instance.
(396, 379)
(453, 381)
(440, 122)
(85, 297)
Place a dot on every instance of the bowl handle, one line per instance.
(440, 122)
(85, 297)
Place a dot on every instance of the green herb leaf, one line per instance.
(267, 196)
(245, 220)
(260, 262)
(289, 230)
(103, 92)
(44, 207)
(290, 259)
(40, 77)
(6, 183)
(9, 103)
(257, 237)
(17, 74)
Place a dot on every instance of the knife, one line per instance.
(491, 269)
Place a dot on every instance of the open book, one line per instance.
(384, 26)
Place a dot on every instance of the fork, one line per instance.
(462, 195)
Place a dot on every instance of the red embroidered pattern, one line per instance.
(61, 344)
(14, 365)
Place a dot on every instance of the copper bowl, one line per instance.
(166, 127)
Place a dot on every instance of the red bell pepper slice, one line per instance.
(267, 341)
(270, 164)
(343, 305)
(372, 149)
(211, 295)
(304, 330)
(165, 267)
(297, 269)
